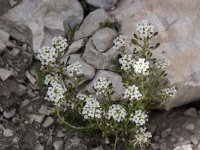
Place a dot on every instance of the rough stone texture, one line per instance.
(8, 133)
(17, 30)
(7, 4)
(106, 4)
(58, 145)
(2, 46)
(178, 25)
(97, 59)
(5, 74)
(87, 69)
(114, 78)
(41, 15)
(103, 39)
(75, 46)
(4, 36)
(92, 23)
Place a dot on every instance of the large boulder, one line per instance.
(46, 17)
(106, 4)
(179, 27)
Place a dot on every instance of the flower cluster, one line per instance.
(141, 66)
(55, 92)
(119, 42)
(59, 43)
(131, 93)
(91, 109)
(145, 29)
(74, 69)
(81, 96)
(47, 55)
(171, 92)
(127, 62)
(117, 112)
(49, 78)
(101, 86)
(139, 117)
(162, 64)
(142, 136)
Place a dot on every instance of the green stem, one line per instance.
(68, 124)
(116, 140)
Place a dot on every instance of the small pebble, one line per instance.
(48, 122)
(10, 113)
(194, 140)
(39, 147)
(190, 127)
(8, 133)
(58, 145)
(191, 112)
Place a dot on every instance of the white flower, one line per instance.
(117, 112)
(47, 55)
(91, 109)
(49, 78)
(55, 92)
(141, 66)
(127, 62)
(119, 42)
(139, 117)
(142, 136)
(145, 29)
(171, 92)
(131, 93)
(162, 64)
(74, 69)
(101, 86)
(81, 96)
(60, 43)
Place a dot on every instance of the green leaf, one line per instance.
(135, 42)
(155, 33)
(156, 46)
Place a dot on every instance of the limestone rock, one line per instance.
(4, 36)
(106, 4)
(92, 23)
(97, 59)
(5, 74)
(2, 46)
(10, 113)
(8, 133)
(48, 122)
(114, 78)
(75, 46)
(58, 145)
(39, 15)
(8, 4)
(179, 35)
(103, 39)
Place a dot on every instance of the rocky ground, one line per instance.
(26, 121)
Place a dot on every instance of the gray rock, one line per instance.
(87, 69)
(39, 147)
(6, 5)
(183, 54)
(8, 133)
(194, 140)
(37, 118)
(58, 145)
(191, 112)
(30, 77)
(190, 127)
(163, 146)
(75, 46)
(103, 39)
(44, 110)
(2, 46)
(15, 51)
(5, 74)
(114, 78)
(48, 122)
(92, 23)
(98, 148)
(106, 4)
(21, 90)
(17, 30)
(10, 113)
(60, 134)
(75, 141)
(155, 146)
(10, 45)
(4, 36)
(43, 16)
(97, 59)
(184, 147)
